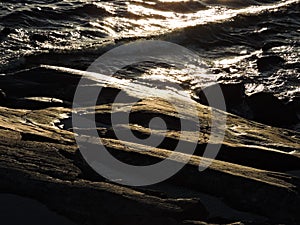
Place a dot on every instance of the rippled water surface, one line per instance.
(229, 34)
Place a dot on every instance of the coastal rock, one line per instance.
(294, 104)
(6, 31)
(2, 97)
(233, 93)
(270, 110)
(39, 38)
(250, 175)
(269, 63)
(271, 44)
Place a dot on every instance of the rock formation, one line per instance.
(252, 177)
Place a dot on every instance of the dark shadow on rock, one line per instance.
(261, 107)
(294, 104)
(19, 210)
(270, 110)
(233, 93)
(269, 63)
(39, 38)
(5, 32)
(272, 44)
(2, 97)
(23, 103)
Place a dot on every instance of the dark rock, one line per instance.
(39, 38)
(20, 210)
(231, 69)
(216, 71)
(269, 63)
(6, 31)
(294, 104)
(233, 93)
(2, 97)
(295, 65)
(270, 110)
(143, 220)
(271, 44)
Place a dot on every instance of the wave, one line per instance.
(46, 16)
(246, 29)
(218, 30)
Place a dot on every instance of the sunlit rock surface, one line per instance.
(253, 180)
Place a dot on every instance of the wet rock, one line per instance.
(271, 44)
(295, 65)
(142, 220)
(294, 104)
(216, 70)
(2, 97)
(39, 38)
(269, 63)
(231, 69)
(19, 210)
(270, 110)
(233, 93)
(6, 31)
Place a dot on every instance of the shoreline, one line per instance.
(38, 160)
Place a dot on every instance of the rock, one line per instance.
(294, 104)
(271, 44)
(295, 66)
(269, 63)
(6, 31)
(20, 210)
(233, 93)
(216, 70)
(270, 110)
(2, 97)
(142, 220)
(39, 38)
(40, 161)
